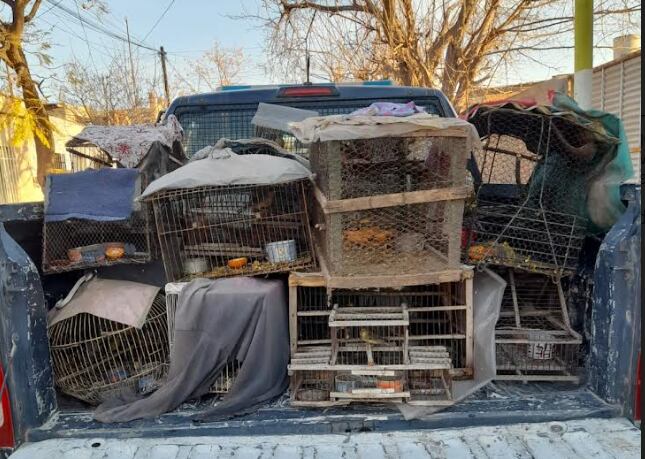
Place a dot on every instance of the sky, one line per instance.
(188, 28)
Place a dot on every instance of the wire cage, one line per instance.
(532, 178)
(220, 231)
(430, 386)
(95, 359)
(79, 244)
(397, 239)
(369, 167)
(369, 335)
(533, 336)
(438, 315)
(225, 380)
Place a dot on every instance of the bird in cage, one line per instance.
(367, 337)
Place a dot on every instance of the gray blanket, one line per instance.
(241, 318)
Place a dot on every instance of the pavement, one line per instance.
(587, 438)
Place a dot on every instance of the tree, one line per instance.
(34, 117)
(108, 96)
(219, 66)
(450, 44)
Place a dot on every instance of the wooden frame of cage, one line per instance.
(423, 205)
(205, 226)
(516, 347)
(330, 234)
(329, 169)
(432, 390)
(463, 281)
(225, 380)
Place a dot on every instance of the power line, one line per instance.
(159, 20)
(98, 27)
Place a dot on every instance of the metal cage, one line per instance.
(533, 337)
(95, 359)
(532, 179)
(221, 231)
(225, 380)
(79, 244)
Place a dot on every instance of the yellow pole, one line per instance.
(583, 54)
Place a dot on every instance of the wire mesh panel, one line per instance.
(534, 176)
(533, 337)
(95, 359)
(233, 230)
(78, 244)
(369, 167)
(403, 239)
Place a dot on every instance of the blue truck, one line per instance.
(33, 412)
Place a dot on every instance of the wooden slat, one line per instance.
(401, 280)
(371, 395)
(368, 323)
(306, 279)
(393, 199)
(338, 367)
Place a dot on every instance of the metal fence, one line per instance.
(9, 175)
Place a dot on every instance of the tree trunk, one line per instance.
(33, 103)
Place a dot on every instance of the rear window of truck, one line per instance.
(205, 125)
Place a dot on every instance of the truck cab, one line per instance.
(36, 412)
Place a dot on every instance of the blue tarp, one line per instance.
(99, 195)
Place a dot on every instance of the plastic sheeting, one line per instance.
(224, 167)
(603, 201)
(278, 117)
(348, 127)
(488, 290)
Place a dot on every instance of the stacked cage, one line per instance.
(90, 241)
(534, 339)
(226, 379)
(529, 221)
(390, 205)
(95, 359)
(389, 317)
(233, 223)
(378, 345)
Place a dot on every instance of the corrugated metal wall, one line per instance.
(617, 89)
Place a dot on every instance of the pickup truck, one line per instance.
(607, 306)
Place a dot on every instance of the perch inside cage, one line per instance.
(533, 174)
(95, 358)
(231, 215)
(533, 337)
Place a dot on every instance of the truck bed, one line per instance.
(495, 404)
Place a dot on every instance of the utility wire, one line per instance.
(159, 20)
(98, 27)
